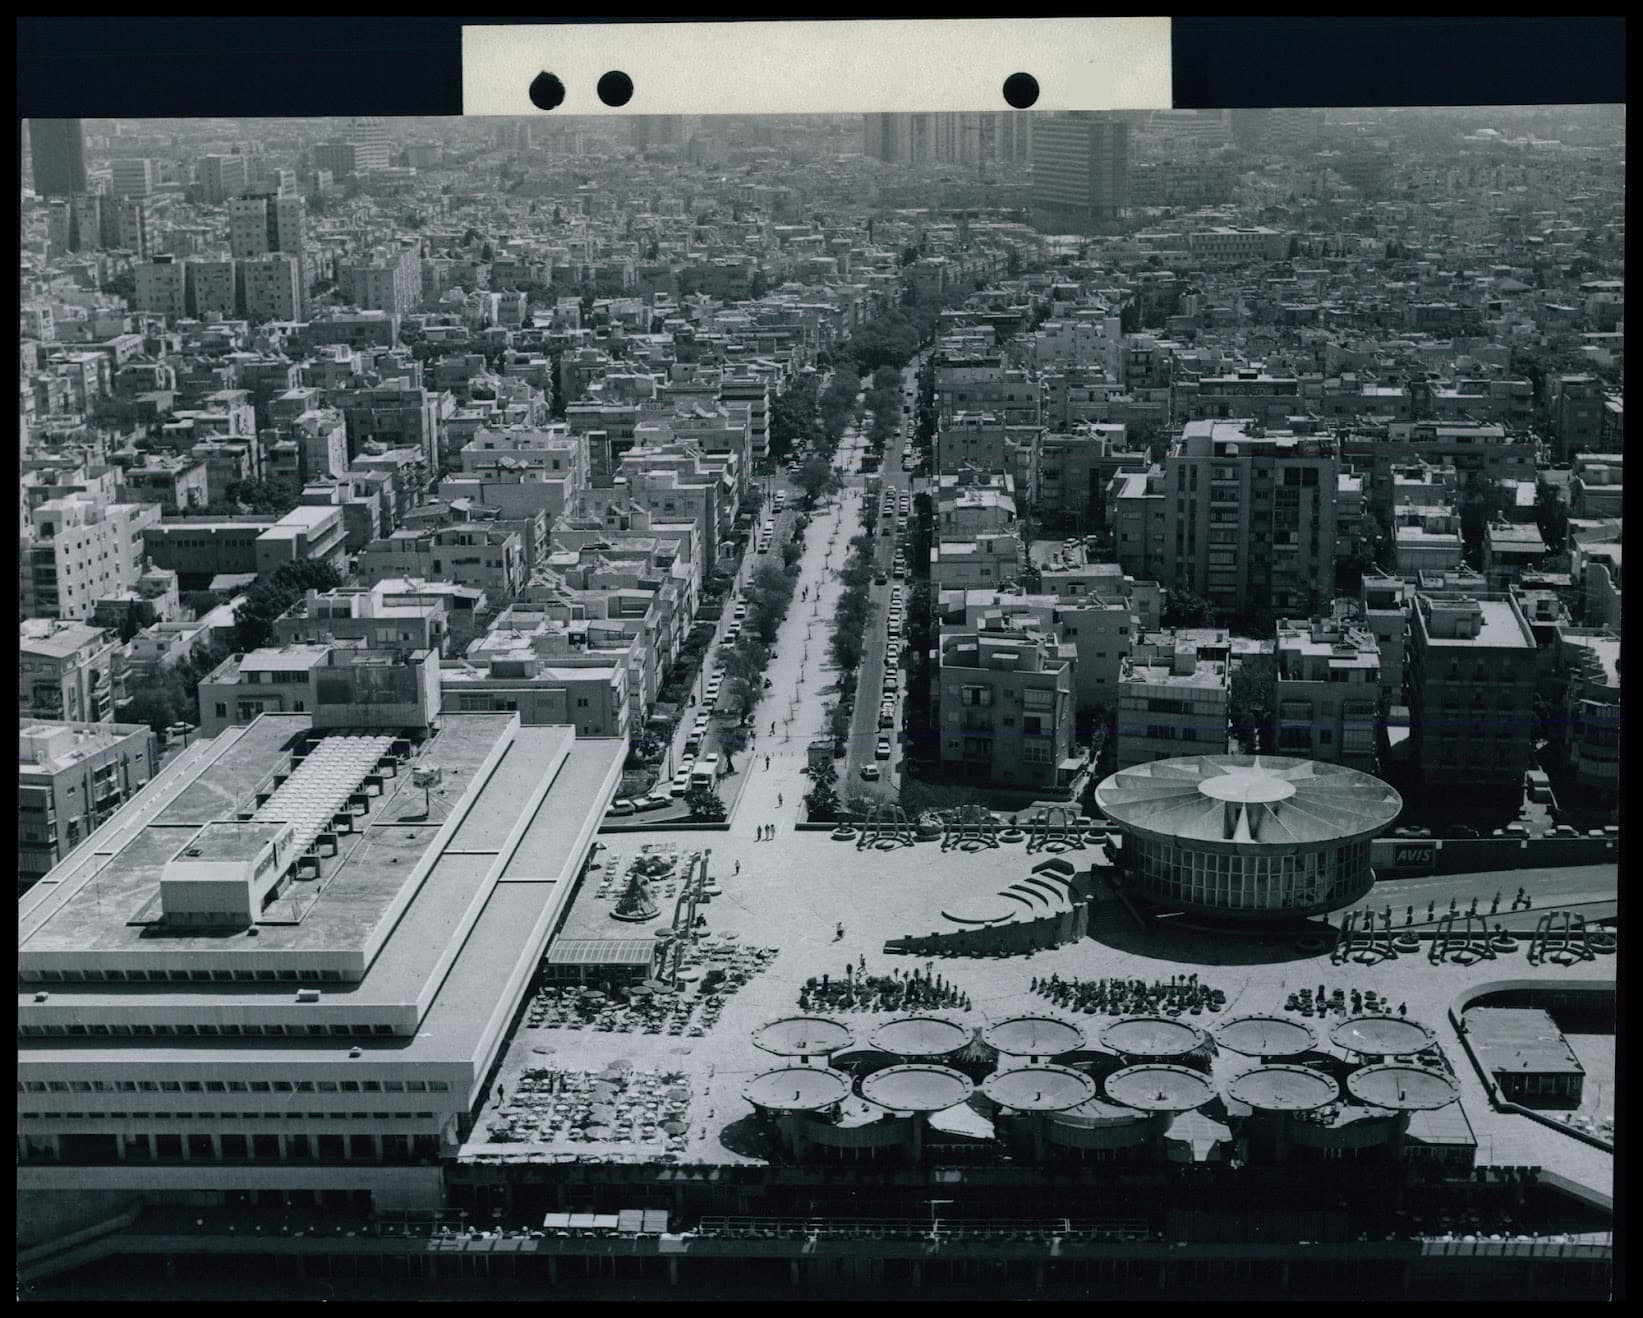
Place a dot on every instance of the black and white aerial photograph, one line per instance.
(949, 706)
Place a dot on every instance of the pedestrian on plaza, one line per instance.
(778, 800)
(766, 761)
(738, 867)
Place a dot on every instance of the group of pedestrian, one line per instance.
(767, 833)
(1126, 996)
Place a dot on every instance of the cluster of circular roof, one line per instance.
(1152, 1083)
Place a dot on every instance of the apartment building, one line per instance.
(282, 679)
(992, 558)
(1426, 539)
(77, 550)
(71, 778)
(308, 533)
(1075, 468)
(273, 287)
(492, 561)
(1471, 690)
(1135, 502)
(1249, 516)
(1510, 550)
(175, 484)
(1230, 245)
(1080, 165)
(1383, 608)
(1005, 705)
(1588, 666)
(65, 671)
(1328, 691)
(1172, 697)
(373, 616)
(503, 672)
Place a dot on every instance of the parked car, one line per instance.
(655, 801)
(621, 808)
(870, 772)
(886, 719)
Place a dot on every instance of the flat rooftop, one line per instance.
(1520, 1039)
(450, 910)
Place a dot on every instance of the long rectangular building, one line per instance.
(285, 968)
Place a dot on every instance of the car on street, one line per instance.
(654, 801)
(882, 750)
(879, 577)
(887, 719)
(621, 808)
(870, 772)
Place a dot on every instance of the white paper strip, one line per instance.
(809, 67)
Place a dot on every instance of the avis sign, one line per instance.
(1412, 854)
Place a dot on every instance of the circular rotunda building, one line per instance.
(1247, 838)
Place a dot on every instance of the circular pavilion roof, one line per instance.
(1284, 1089)
(1381, 1036)
(917, 1087)
(1274, 799)
(1153, 1087)
(1039, 1088)
(921, 1036)
(1401, 1088)
(1033, 1036)
(802, 1036)
(1151, 1036)
(797, 1089)
(1266, 1036)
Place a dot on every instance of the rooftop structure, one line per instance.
(1151, 1036)
(1401, 1088)
(921, 1036)
(1266, 1036)
(797, 1089)
(395, 950)
(1039, 1088)
(1381, 1036)
(1157, 1088)
(1284, 1089)
(1033, 1036)
(916, 1087)
(1248, 836)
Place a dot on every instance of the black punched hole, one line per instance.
(1021, 90)
(615, 88)
(547, 92)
